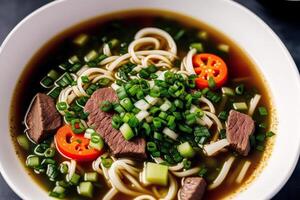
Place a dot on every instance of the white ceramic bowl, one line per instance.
(232, 19)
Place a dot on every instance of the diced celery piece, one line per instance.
(186, 150)
(156, 174)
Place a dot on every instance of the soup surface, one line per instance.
(85, 46)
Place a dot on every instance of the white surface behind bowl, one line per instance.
(238, 23)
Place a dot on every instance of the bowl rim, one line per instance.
(266, 28)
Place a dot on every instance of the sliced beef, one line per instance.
(101, 122)
(193, 188)
(239, 128)
(42, 119)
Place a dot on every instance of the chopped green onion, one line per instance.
(260, 137)
(91, 56)
(64, 80)
(151, 146)
(52, 172)
(223, 47)
(197, 46)
(61, 106)
(222, 133)
(23, 141)
(126, 117)
(49, 153)
(163, 115)
(262, 111)
(157, 136)
(106, 162)
(165, 106)
(202, 172)
(85, 79)
(118, 108)
(46, 82)
(74, 179)
(156, 173)
(191, 118)
(58, 192)
(144, 74)
(113, 43)
(227, 91)
(203, 35)
(127, 104)
(106, 106)
(223, 115)
(53, 74)
(133, 122)
(179, 34)
(76, 67)
(77, 126)
(186, 164)
(85, 189)
(91, 176)
(184, 128)
(240, 106)
(186, 150)
(269, 134)
(211, 82)
(81, 39)
(146, 127)
(240, 89)
(40, 149)
(157, 122)
(74, 59)
(155, 154)
(33, 161)
(262, 125)
(63, 168)
(96, 142)
(171, 121)
(126, 131)
(178, 103)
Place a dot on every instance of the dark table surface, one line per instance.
(282, 17)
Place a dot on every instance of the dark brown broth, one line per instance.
(59, 48)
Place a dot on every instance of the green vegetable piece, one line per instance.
(156, 173)
(23, 142)
(33, 161)
(269, 134)
(91, 176)
(74, 179)
(240, 106)
(186, 150)
(49, 153)
(262, 111)
(197, 46)
(96, 142)
(85, 189)
(106, 106)
(58, 192)
(126, 131)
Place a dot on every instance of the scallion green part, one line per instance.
(262, 111)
